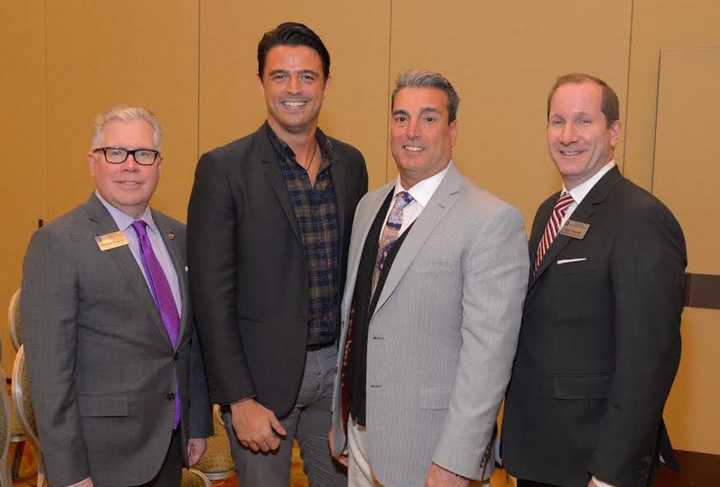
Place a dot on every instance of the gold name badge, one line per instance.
(111, 240)
(575, 229)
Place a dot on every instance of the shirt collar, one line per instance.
(423, 190)
(123, 220)
(282, 148)
(580, 191)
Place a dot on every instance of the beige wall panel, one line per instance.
(22, 125)
(686, 178)
(502, 58)
(659, 24)
(355, 33)
(101, 53)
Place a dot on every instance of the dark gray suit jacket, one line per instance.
(247, 267)
(102, 369)
(599, 344)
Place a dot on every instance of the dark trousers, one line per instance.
(170, 474)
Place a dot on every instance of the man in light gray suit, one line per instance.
(437, 272)
(116, 375)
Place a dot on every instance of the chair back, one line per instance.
(192, 477)
(5, 426)
(217, 462)
(14, 320)
(21, 396)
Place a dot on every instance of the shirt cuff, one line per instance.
(600, 483)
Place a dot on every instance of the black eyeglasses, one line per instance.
(118, 155)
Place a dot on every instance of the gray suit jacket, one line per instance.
(103, 372)
(443, 335)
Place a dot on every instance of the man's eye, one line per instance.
(430, 119)
(308, 77)
(556, 123)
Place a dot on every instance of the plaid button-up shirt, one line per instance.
(316, 213)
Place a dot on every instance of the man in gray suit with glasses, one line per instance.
(117, 379)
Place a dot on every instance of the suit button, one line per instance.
(170, 397)
(176, 356)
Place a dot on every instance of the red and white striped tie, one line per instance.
(553, 226)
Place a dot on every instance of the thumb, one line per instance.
(275, 424)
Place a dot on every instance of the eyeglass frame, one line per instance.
(128, 153)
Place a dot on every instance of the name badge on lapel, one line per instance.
(575, 229)
(111, 240)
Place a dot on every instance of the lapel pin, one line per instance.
(171, 235)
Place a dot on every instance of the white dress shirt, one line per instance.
(421, 193)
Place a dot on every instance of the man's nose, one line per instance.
(293, 85)
(568, 133)
(413, 128)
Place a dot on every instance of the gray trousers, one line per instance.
(308, 422)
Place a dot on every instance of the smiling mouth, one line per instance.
(412, 148)
(570, 153)
(129, 184)
(294, 103)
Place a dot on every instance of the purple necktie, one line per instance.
(162, 294)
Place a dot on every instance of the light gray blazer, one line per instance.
(443, 335)
(103, 372)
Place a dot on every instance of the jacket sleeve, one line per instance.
(48, 309)
(494, 276)
(648, 277)
(213, 215)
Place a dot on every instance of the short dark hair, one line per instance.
(610, 105)
(428, 79)
(292, 34)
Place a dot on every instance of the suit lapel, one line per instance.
(442, 200)
(364, 219)
(178, 260)
(125, 261)
(583, 213)
(273, 174)
(338, 172)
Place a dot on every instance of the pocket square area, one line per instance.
(570, 261)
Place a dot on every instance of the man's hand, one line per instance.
(439, 477)
(256, 427)
(195, 449)
(86, 482)
(340, 457)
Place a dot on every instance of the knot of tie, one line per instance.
(139, 227)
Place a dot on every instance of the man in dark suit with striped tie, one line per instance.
(600, 339)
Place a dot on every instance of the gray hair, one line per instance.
(429, 79)
(125, 113)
